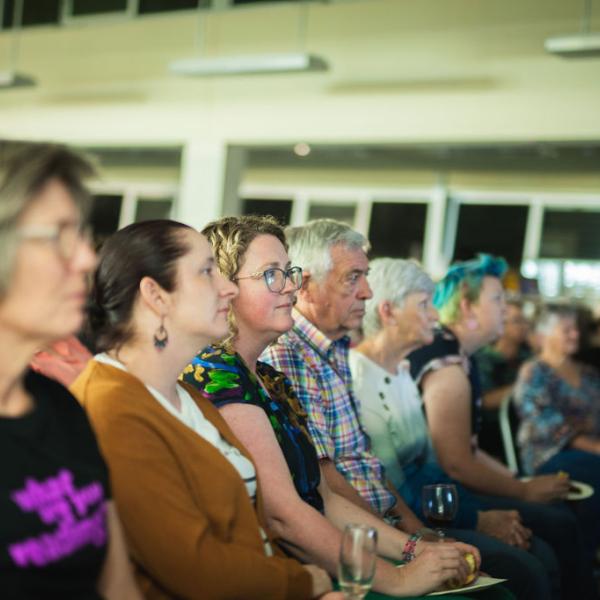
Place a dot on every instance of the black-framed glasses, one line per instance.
(275, 278)
(65, 236)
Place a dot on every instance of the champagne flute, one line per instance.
(440, 504)
(358, 555)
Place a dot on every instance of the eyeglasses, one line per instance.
(275, 278)
(65, 236)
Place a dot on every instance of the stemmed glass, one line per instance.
(358, 555)
(440, 504)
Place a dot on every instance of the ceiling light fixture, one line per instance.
(9, 78)
(250, 64)
(302, 149)
(579, 45)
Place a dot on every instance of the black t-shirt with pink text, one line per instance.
(53, 493)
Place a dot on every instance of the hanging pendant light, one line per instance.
(9, 77)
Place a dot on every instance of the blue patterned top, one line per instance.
(225, 379)
(553, 412)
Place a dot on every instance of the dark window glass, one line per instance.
(237, 2)
(280, 209)
(570, 234)
(498, 230)
(35, 12)
(339, 212)
(156, 6)
(6, 15)
(95, 7)
(104, 216)
(147, 210)
(397, 230)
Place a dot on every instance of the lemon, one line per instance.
(472, 566)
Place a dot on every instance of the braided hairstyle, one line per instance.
(230, 238)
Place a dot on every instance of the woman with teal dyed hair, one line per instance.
(471, 306)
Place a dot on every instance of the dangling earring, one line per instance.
(161, 337)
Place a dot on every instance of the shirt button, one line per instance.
(387, 380)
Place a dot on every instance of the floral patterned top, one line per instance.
(225, 379)
(553, 412)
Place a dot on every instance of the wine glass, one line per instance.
(440, 503)
(358, 554)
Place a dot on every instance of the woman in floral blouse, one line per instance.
(558, 400)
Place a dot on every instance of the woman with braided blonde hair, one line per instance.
(260, 406)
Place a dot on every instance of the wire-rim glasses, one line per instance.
(65, 236)
(276, 278)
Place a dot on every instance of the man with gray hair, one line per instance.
(314, 356)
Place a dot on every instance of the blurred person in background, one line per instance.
(400, 318)
(471, 305)
(63, 360)
(499, 365)
(187, 489)
(60, 536)
(558, 401)
(262, 408)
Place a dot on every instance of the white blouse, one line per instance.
(391, 412)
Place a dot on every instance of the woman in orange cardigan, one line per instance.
(184, 485)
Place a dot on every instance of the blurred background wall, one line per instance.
(438, 128)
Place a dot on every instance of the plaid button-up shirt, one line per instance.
(319, 371)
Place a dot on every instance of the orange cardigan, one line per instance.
(190, 526)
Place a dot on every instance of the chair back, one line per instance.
(509, 424)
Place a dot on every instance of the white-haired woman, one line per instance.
(400, 318)
(558, 401)
(59, 532)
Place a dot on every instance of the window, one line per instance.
(147, 210)
(156, 6)
(81, 8)
(570, 234)
(35, 12)
(498, 230)
(243, 2)
(105, 216)
(397, 230)
(280, 209)
(339, 212)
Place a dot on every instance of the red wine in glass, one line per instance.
(440, 504)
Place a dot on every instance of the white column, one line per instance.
(435, 260)
(210, 176)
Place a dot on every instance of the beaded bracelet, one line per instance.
(408, 552)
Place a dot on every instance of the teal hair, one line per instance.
(464, 280)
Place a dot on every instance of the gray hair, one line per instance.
(24, 171)
(551, 314)
(310, 245)
(392, 279)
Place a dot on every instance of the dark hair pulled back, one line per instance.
(147, 249)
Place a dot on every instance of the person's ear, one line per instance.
(385, 310)
(307, 289)
(306, 277)
(468, 314)
(154, 296)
